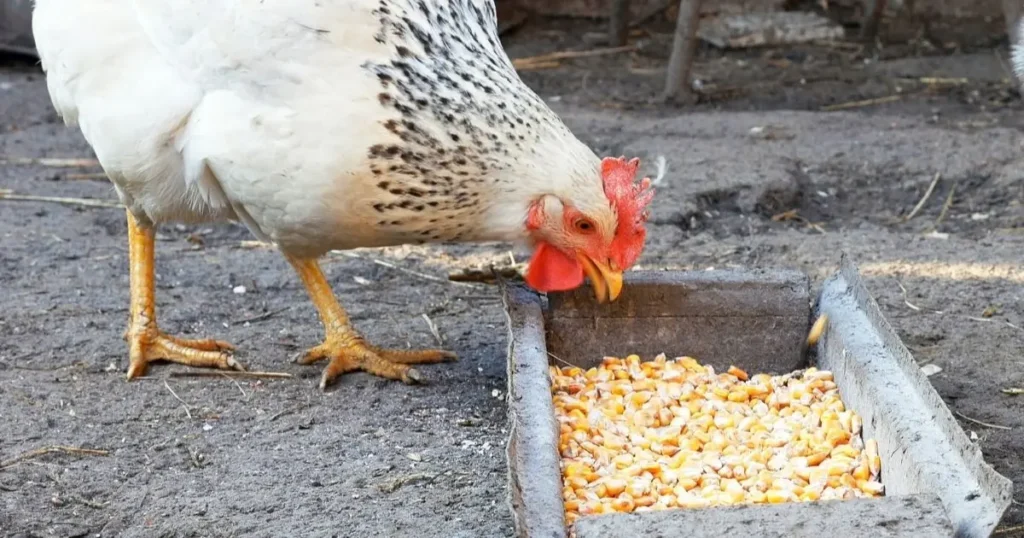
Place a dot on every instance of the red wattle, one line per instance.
(552, 270)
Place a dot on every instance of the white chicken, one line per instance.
(327, 125)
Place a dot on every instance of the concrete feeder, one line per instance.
(936, 481)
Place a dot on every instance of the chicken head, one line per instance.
(597, 243)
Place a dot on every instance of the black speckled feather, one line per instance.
(458, 107)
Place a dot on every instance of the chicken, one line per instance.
(1017, 48)
(325, 125)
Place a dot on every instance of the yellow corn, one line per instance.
(819, 327)
(638, 436)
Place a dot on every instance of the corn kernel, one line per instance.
(816, 459)
(757, 496)
(740, 374)
(775, 496)
(645, 500)
(738, 396)
(871, 451)
(638, 436)
(614, 486)
(623, 504)
(871, 487)
(862, 472)
(592, 507)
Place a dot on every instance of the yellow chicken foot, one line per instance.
(345, 348)
(145, 341)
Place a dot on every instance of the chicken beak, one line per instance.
(607, 282)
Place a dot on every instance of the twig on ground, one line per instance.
(1007, 530)
(289, 411)
(54, 162)
(266, 315)
(905, 301)
(87, 202)
(254, 244)
(390, 265)
(792, 214)
(433, 329)
(88, 176)
(537, 66)
(945, 207)
(863, 103)
(980, 423)
(927, 194)
(990, 320)
(841, 45)
(50, 450)
(231, 374)
(557, 359)
(943, 81)
(392, 485)
(545, 60)
(176, 397)
(235, 381)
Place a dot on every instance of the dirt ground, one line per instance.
(212, 457)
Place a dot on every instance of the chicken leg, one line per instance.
(146, 343)
(345, 348)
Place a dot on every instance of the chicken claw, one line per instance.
(347, 350)
(150, 345)
(146, 343)
(387, 363)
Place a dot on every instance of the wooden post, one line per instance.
(1011, 12)
(684, 47)
(872, 19)
(618, 29)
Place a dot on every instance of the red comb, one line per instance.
(626, 196)
(630, 201)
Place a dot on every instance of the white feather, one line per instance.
(1017, 53)
(662, 165)
(262, 112)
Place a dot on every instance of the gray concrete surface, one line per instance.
(535, 479)
(911, 516)
(923, 449)
(756, 319)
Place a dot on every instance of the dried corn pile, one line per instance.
(672, 433)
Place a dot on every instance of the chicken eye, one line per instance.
(584, 226)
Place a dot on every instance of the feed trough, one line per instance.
(936, 481)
